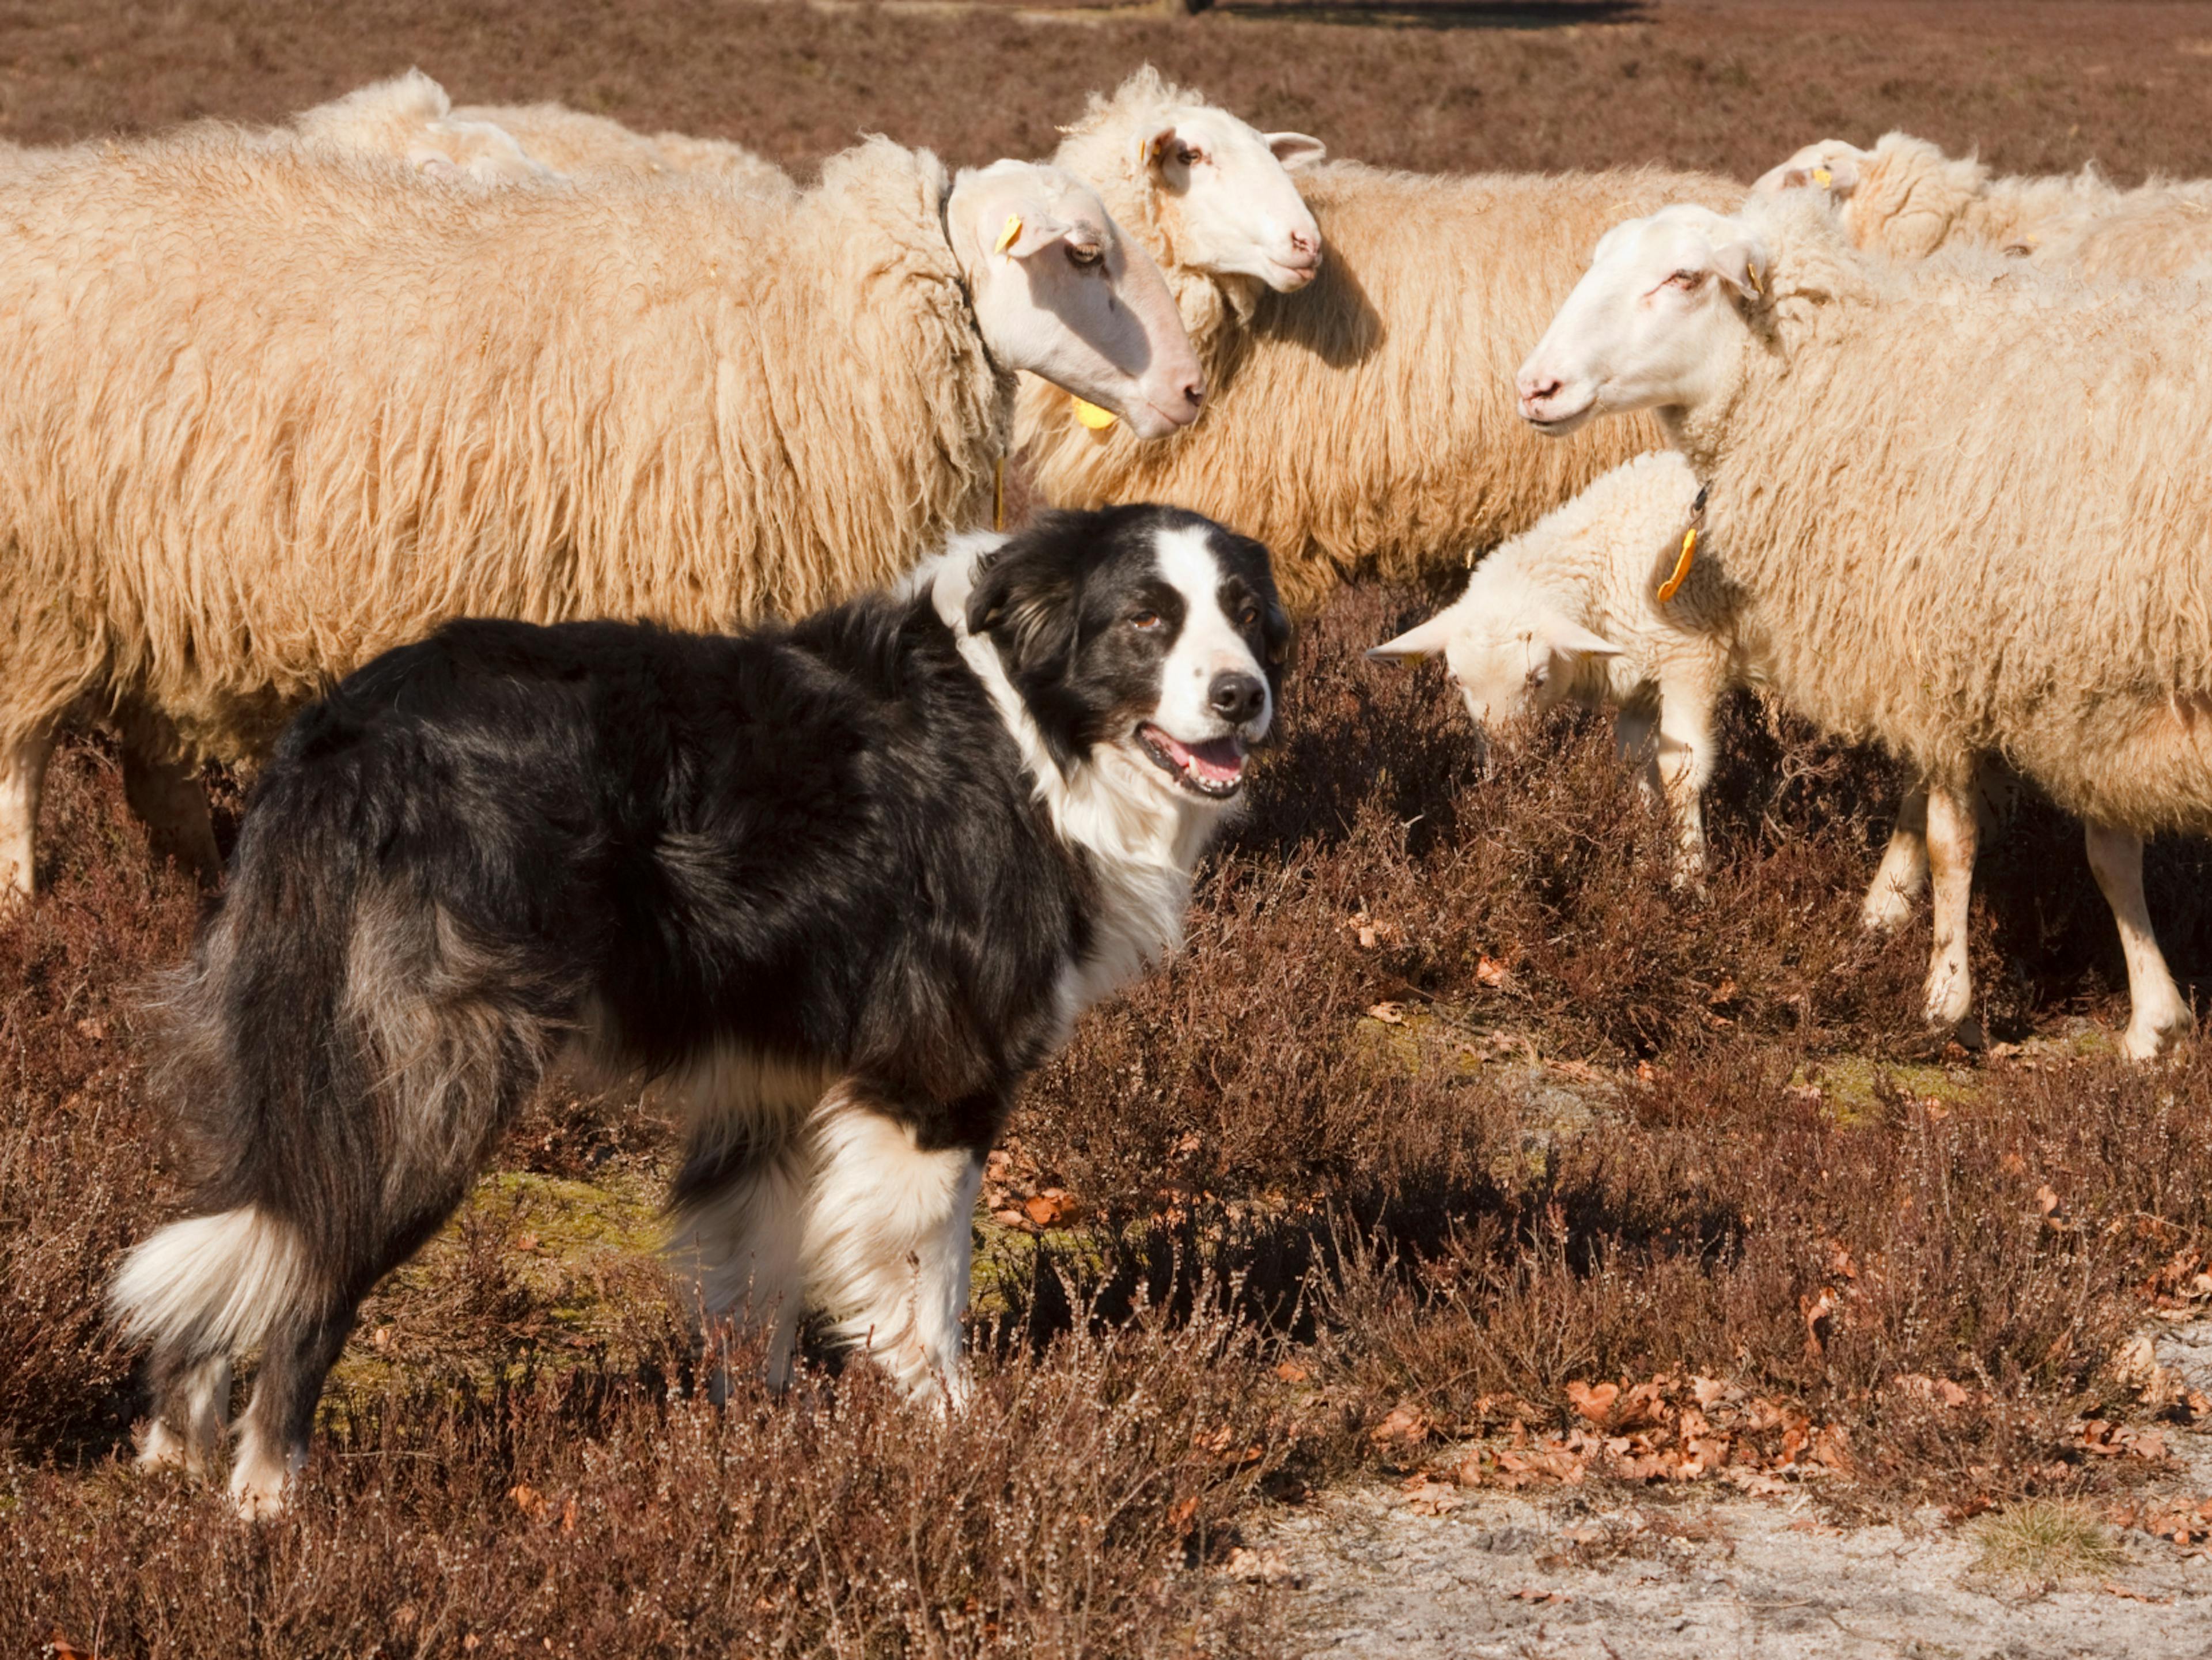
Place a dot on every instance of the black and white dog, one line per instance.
(843, 883)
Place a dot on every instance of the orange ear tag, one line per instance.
(1090, 415)
(1673, 585)
(1007, 236)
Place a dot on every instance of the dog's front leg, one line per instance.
(886, 1244)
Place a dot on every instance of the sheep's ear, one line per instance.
(1570, 639)
(433, 163)
(1153, 145)
(1837, 174)
(1024, 235)
(1429, 639)
(1295, 149)
(1742, 265)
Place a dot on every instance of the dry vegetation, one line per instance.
(1459, 1145)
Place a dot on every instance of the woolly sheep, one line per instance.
(1365, 422)
(1905, 197)
(409, 119)
(581, 146)
(1911, 545)
(269, 415)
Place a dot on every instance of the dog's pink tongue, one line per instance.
(1221, 761)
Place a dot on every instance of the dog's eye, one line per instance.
(1248, 617)
(1145, 621)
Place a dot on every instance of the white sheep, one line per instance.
(1569, 611)
(1961, 504)
(269, 412)
(1359, 419)
(409, 119)
(1905, 198)
(581, 146)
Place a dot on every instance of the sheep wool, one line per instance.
(580, 145)
(1366, 422)
(2005, 556)
(269, 414)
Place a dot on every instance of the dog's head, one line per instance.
(1145, 632)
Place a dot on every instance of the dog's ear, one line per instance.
(1025, 604)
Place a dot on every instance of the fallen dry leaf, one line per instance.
(1257, 1567)
(1530, 1594)
(1405, 1422)
(1492, 972)
(1595, 1402)
(1390, 1014)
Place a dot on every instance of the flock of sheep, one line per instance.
(1903, 444)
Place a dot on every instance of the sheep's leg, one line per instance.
(1950, 991)
(22, 779)
(168, 800)
(1904, 870)
(1684, 761)
(2158, 1013)
(886, 1243)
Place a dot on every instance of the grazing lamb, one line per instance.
(409, 119)
(1910, 544)
(1362, 421)
(1568, 612)
(307, 415)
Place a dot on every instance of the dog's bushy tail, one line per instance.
(267, 1093)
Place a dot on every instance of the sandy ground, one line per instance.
(1614, 1576)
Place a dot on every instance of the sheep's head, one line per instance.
(1061, 291)
(1223, 193)
(1904, 198)
(1509, 650)
(1655, 323)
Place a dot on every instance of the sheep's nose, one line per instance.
(1537, 389)
(1193, 391)
(1306, 242)
(1236, 697)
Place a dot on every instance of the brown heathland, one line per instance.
(1454, 1113)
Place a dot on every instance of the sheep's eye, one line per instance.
(1084, 253)
(1538, 675)
(1145, 621)
(1190, 157)
(1686, 279)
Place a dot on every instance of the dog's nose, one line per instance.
(1236, 697)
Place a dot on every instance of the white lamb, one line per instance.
(1568, 612)
(409, 119)
(1964, 508)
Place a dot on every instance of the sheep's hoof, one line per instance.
(2146, 1040)
(1885, 911)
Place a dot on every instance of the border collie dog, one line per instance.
(841, 883)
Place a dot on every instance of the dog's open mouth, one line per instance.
(1214, 769)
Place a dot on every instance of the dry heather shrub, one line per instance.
(583, 1515)
(81, 1163)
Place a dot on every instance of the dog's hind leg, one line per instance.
(886, 1246)
(272, 1442)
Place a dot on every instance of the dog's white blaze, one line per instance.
(1209, 644)
(210, 1284)
(885, 1243)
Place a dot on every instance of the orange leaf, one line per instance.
(1390, 1014)
(1594, 1403)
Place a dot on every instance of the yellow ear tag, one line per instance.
(1822, 177)
(1751, 273)
(1673, 585)
(1090, 415)
(1007, 236)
